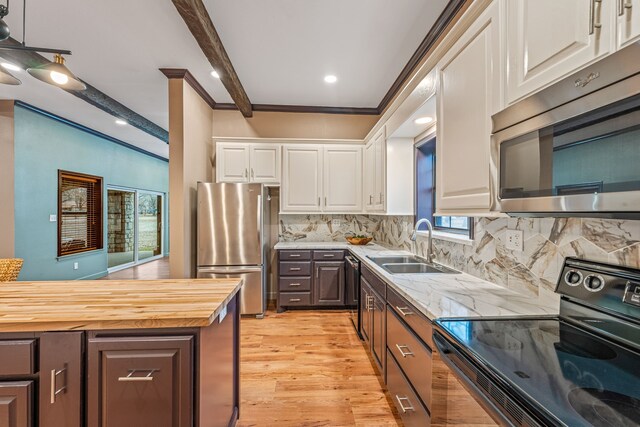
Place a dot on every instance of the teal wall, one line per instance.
(44, 145)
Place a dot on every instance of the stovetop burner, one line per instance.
(605, 407)
(583, 346)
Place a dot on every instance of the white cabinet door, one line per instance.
(628, 12)
(265, 163)
(369, 174)
(380, 179)
(301, 179)
(342, 179)
(549, 39)
(468, 94)
(232, 162)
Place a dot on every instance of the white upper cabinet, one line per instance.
(301, 179)
(232, 162)
(469, 92)
(322, 178)
(265, 163)
(240, 162)
(375, 172)
(628, 13)
(342, 178)
(549, 39)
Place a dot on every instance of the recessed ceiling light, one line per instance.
(423, 120)
(9, 66)
(215, 74)
(330, 79)
(121, 122)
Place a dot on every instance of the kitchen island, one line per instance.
(119, 353)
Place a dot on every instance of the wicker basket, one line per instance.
(9, 269)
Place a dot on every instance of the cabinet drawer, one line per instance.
(291, 299)
(328, 255)
(288, 268)
(140, 381)
(295, 284)
(17, 357)
(295, 255)
(411, 411)
(420, 325)
(376, 283)
(413, 356)
(16, 404)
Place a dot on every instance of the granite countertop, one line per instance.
(113, 304)
(442, 295)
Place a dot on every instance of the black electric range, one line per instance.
(581, 368)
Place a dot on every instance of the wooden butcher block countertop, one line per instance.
(113, 304)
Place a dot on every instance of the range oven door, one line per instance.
(498, 404)
(353, 290)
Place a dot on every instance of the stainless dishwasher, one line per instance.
(353, 290)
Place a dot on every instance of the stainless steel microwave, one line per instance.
(573, 149)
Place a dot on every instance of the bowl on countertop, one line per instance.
(359, 241)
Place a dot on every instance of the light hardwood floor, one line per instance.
(308, 368)
(151, 270)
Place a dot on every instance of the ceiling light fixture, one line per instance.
(121, 122)
(55, 73)
(330, 78)
(215, 74)
(7, 79)
(423, 120)
(9, 66)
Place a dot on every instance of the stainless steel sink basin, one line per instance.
(417, 268)
(410, 264)
(399, 259)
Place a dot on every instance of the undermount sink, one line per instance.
(408, 264)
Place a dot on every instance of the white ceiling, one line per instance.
(281, 50)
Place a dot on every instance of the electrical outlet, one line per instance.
(53, 218)
(514, 240)
(335, 223)
(75, 265)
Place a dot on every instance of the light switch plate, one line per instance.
(53, 218)
(75, 265)
(335, 223)
(514, 240)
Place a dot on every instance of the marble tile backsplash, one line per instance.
(533, 271)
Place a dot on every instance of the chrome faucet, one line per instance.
(414, 236)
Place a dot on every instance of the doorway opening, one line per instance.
(135, 220)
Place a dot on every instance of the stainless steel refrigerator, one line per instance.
(231, 238)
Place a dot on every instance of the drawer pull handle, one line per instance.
(294, 269)
(130, 377)
(294, 299)
(402, 352)
(294, 255)
(409, 406)
(294, 284)
(54, 375)
(404, 311)
(329, 255)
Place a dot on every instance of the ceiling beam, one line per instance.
(302, 109)
(91, 95)
(195, 15)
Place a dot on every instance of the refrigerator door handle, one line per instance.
(260, 220)
(230, 270)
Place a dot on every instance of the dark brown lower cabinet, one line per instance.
(328, 281)
(61, 372)
(365, 311)
(140, 381)
(16, 407)
(411, 410)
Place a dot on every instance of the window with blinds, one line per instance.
(79, 213)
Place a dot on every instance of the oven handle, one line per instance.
(446, 354)
(352, 263)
